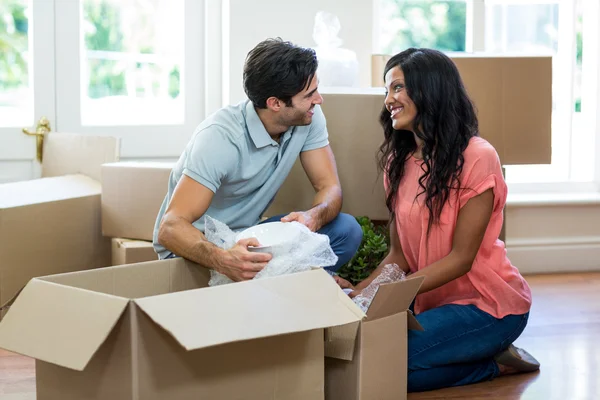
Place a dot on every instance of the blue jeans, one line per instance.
(345, 235)
(457, 346)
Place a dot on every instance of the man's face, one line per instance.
(303, 104)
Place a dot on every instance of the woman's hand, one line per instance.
(344, 284)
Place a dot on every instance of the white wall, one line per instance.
(545, 236)
(252, 21)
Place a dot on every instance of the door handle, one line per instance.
(42, 128)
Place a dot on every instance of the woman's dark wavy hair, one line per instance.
(445, 121)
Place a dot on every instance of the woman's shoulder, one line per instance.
(480, 151)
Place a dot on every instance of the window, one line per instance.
(548, 27)
(133, 61)
(436, 24)
(16, 97)
(122, 69)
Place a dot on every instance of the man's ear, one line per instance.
(274, 104)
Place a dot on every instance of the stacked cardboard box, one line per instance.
(514, 104)
(154, 330)
(52, 224)
(132, 193)
(513, 99)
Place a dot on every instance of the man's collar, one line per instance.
(256, 128)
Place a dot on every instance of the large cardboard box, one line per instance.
(514, 101)
(48, 226)
(132, 193)
(155, 331)
(513, 97)
(125, 251)
(52, 224)
(355, 137)
(372, 363)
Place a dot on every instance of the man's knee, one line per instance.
(349, 230)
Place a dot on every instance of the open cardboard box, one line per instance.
(52, 225)
(371, 362)
(156, 331)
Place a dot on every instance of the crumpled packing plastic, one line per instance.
(338, 67)
(306, 251)
(390, 273)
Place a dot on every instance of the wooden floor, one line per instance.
(563, 334)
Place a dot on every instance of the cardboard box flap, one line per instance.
(253, 309)
(340, 341)
(392, 298)
(46, 190)
(413, 324)
(69, 153)
(59, 324)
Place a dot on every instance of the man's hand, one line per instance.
(240, 264)
(305, 218)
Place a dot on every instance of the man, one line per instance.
(239, 157)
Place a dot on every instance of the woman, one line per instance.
(446, 193)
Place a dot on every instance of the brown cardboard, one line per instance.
(514, 101)
(52, 225)
(355, 137)
(68, 154)
(132, 193)
(49, 226)
(125, 251)
(155, 331)
(513, 97)
(377, 368)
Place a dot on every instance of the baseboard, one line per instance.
(555, 255)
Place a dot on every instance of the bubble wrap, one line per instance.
(307, 250)
(390, 273)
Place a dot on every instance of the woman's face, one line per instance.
(402, 109)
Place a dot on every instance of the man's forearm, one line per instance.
(327, 205)
(182, 238)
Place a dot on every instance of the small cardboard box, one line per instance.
(156, 331)
(372, 363)
(132, 193)
(125, 251)
(52, 225)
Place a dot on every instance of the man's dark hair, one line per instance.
(275, 68)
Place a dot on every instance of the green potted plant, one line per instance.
(371, 252)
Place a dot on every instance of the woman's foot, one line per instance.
(514, 360)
